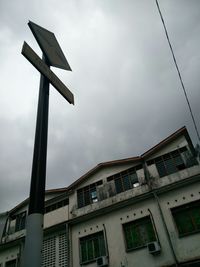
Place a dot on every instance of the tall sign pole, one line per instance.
(52, 56)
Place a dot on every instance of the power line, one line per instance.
(177, 68)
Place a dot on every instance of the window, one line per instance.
(20, 221)
(92, 247)
(56, 205)
(174, 161)
(88, 194)
(12, 263)
(125, 180)
(55, 250)
(187, 218)
(138, 233)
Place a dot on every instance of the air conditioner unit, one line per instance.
(154, 247)
(102, 261)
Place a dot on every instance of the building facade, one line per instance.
(140, 211)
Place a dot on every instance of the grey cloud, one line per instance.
(127, 93)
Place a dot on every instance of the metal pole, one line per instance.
(34, 225)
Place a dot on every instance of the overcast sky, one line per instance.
(127, 93)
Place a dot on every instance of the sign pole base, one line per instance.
(34, 240)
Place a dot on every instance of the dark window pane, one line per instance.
(184, 222)
(90, 250)
(96, 248)
(87, 198)
(170, 167)
(80, 196)
(118, 185)
(92, 247)
(195, 214)
(84, 251)
(102, 245)
(20, 221)
(126, 183)
(138, 233)
(187, 218)
(133, 178)
(11, 263)
(161, 169)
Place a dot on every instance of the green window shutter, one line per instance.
(184, 222)
(90, 249)
(161, 168)
(128, 237)
(102, 248)
(84, 252)
(195, 213)
(96, 248)
(169, 163)
(138, 233)
(150, 232)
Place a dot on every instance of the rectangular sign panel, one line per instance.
(37, 62)
(49, 46)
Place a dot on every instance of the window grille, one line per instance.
(49, 252)
(55, 251)
(92, 247)
(125, 180)
(12, 263)
(20, 221)
(174, 161)
(187, 218)
(88, 194)
(63, 252)
(56, 205)
(138, 233)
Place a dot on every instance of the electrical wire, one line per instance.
(177, 68)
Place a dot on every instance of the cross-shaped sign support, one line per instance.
(52, 56)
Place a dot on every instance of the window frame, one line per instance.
(85, 195)
(173, 157)
(124, 180)
(91, 237)
(138, 222)
(8, 263)
(20, 221)
(56, 205)
(186, 208)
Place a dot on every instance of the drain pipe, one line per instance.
(147, 177)
(105, 234)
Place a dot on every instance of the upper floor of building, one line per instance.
(113, 184)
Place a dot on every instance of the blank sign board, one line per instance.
(37, 62)
(49, 46)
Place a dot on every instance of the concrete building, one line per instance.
(140, 211)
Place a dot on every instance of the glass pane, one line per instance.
(80, 199)
(195, 213)
(11, 263)
(126, 183)
(136, 236)
(102, 245)
(118, 185)
(150, 232)
(183, 222)
(178, 160)
(87, 198)
(128, 237)
(90, 250)
(93, 194)
(170, 166)
(84, 252)
(161, 169)
(133, 178)
(96, 248)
